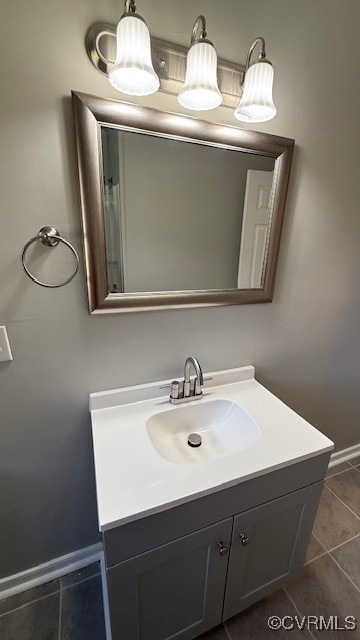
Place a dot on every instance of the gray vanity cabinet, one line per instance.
(268, 545)
(166, 575)
(175, 591)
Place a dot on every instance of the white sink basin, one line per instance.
(144, 465)
(223, 425)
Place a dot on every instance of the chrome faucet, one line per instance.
(186, 392)
(199, 380)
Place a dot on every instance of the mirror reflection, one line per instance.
(177, 212)
(183, 215)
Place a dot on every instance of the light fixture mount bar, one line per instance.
(169, 62)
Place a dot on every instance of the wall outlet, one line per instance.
(5, 351)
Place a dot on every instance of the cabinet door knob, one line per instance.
(244, 539)
(222, 550)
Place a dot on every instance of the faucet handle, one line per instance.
(174, 386)
(187, 388)
(207, 378)
(197, 388)
(199, 384)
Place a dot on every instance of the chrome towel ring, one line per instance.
(51, 238)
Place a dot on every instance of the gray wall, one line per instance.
(305, 344)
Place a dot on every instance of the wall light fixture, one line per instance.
(256, 103)
(136, 65)
(133, 72)
(200, 91)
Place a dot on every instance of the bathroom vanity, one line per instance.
(191, 543)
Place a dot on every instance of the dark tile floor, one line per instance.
(71, 608)
(329, 584)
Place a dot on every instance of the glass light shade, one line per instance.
(256, 104)
(200, 91)
(133, 72)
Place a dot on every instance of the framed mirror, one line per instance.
(176, 212)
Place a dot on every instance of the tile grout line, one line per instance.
(332, 548)
(79, 582)
(297, 611)
(317, 539)
(343, 543)
(226, 630)
(350, 468)
(344, 572)
(21, 606)
(342, 501)
(60, 615)
(321, 554)
(26, 604)
(316, 557)
(338, 473)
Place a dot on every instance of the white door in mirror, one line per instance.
(255, 228)
(5, 351)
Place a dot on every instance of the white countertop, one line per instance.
(133, 480)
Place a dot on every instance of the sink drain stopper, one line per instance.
(194, 440)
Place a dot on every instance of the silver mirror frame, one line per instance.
(90, 113)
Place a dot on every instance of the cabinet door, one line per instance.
(268, 544)
(175, 591)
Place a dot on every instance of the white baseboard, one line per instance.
(58, 567)
(48, 571)
(345, 455)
